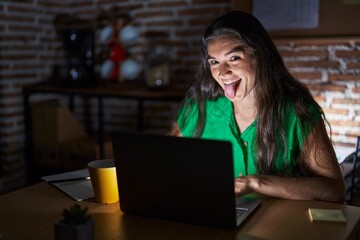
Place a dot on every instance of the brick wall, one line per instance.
(331, 69)
(29, 49)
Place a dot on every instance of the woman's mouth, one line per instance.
(231, 87)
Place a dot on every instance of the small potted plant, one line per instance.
(76, 224)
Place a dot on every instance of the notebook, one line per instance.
(185, 180)
(76, 184)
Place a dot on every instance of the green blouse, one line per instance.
(220, 124)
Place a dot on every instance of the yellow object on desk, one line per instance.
(104, 180)
(330, 215)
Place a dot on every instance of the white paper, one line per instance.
(77, 190)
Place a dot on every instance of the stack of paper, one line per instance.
(76, 184)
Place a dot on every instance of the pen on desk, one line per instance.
(69, 180)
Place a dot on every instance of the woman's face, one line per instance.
(233, 67)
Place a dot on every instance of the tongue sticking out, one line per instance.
(230, 89)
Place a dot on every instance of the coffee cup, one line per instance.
(104, 180)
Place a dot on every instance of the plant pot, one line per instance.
(74, 232)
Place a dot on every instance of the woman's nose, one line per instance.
(224, 69)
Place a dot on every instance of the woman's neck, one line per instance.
(245, 112)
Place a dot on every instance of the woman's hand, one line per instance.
(175, 130)
(242, 185)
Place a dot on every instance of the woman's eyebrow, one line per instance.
(235, 49)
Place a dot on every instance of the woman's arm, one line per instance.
(327, 183)
(175, 130)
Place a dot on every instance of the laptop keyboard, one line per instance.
(240, 211)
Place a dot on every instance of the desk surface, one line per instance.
(30, 213)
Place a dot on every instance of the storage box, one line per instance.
(53, 124)
(47, 157)
(77, 153)
(72, 155)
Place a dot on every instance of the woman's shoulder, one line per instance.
(302, 115)
(309, 108)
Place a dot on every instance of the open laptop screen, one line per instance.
(181, 179)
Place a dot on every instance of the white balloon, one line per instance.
(106, 33)
(129, 34)
(130, 69)
(106, 69)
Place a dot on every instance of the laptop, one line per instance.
(180, 179)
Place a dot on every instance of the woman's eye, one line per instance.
(212, 62)
(234, 58)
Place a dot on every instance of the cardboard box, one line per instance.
(53, 124)
(77, 153)
(72, 155)
(47, 157)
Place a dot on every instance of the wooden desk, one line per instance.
(30, 213)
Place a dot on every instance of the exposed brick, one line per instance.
(336, 111)
(18, 57)
(164, 23)
(22, 1)
(88, 11)
(75, 4)
(111, 1)
(347, 54)
(356, 90)
(304, 53)
(199, 22)
(188, 33)
(320, 42)
(208, 1)
(199, 11)
(306, 75)
(52, 4)
(310, 64)
(17, 75)
(353, 65)
(326, 87)
(156, 13)
(22, 38)
(30, 65)
(167, 4)
(353, 134)
(17, 18)
(27, 47)
(126, 7)
(319, 98)
(345, 123)
(343, 77)
(19, 9)
(347, 101)
(25, 28)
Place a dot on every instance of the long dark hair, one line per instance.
(274, 88)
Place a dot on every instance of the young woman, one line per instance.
(244, 94)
